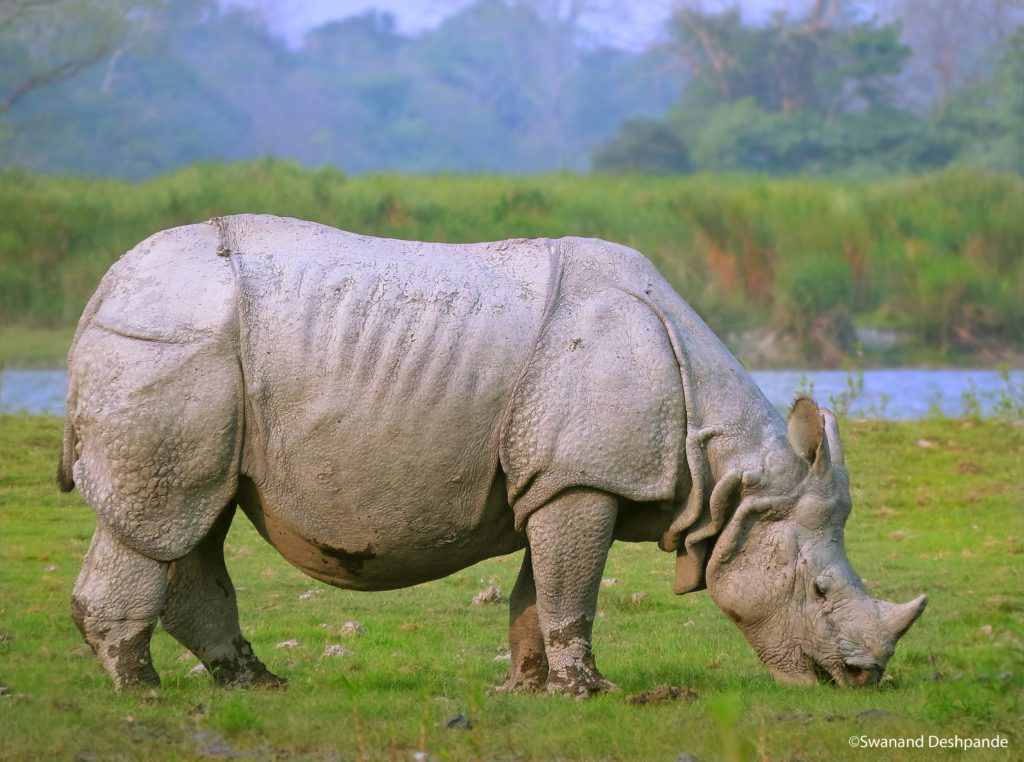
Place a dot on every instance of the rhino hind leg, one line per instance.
(569, 539)
(201, 613)
(528, 665)
(115, 605)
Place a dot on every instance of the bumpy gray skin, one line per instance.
(388, 412)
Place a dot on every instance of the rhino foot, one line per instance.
(580, 681)
(240, 668)
(115, 604)
(529, 676)
(266, 680)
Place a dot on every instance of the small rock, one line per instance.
(310, 594)
(875, 714)
(886, 681)
(503, 657)
(351, 628)
(639, 596)
(197, 671)
(293, 643)
(609, 581)
(986, 629)
(795, 716)
(458, 722)
(420, 756)
(490, 595)
(925, 443)
(335, 649)
(688, 623)
(661, 694)
(52, 568)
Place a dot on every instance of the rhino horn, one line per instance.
(897, 618)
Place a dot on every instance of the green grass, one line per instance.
(24, 346)
(937, 258)
(937, 508)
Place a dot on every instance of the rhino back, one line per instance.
(377, 373)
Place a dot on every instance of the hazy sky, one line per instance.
(621, 24)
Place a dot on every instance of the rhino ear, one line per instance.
(806, 427)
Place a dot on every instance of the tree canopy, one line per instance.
(822, 94)
(132, 88)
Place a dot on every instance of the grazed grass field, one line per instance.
(938, 507)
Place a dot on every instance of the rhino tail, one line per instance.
(69, 445)
(65, 466)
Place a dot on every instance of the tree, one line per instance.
(956, 43)
(792, 95)
(987, 118)
(44, 42)
(643, 145)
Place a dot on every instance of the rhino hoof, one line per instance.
(522, 684)
(580, 686)
(268, 681)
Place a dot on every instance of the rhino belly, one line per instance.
(377, 375)
(381, 559)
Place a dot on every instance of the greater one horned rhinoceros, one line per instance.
(388, 412)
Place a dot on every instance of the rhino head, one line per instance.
(779, 569)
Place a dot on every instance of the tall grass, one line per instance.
(939, 258)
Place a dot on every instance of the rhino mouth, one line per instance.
(853, 673)
(821, 674)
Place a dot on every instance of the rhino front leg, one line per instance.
(201, 613)
(528, 666)
(569, 540)
(115, 604)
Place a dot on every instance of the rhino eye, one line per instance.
(822, 586)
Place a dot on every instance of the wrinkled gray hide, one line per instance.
(388, 412)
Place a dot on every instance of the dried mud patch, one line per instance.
(662, 694)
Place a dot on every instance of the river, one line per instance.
(893, 394)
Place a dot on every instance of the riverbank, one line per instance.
(30, 348)
(888, 394)
(796, 272)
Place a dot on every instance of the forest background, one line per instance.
(897, 125)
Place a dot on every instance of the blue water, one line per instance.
(899, 393)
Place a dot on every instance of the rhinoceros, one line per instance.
(388, 412)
